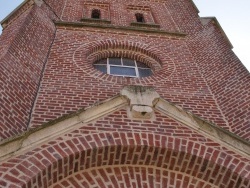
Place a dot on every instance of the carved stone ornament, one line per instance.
(141, 100)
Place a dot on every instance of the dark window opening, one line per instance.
(139, 17)
(96, 14)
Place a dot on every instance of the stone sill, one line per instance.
(148, 25)
(92, 20)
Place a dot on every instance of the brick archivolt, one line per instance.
(127, 54)
(87, 54)
(131, 176)
(125, 45)
(78, 151)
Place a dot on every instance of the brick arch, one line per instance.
(125, 45)
(131, 176)
(127, 54)
(87, 54)
(76, 152)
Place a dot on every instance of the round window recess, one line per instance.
(123, 67)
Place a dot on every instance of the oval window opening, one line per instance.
(123, 67)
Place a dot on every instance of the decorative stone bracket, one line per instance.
(141, 100)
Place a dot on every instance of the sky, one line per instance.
(233, 16)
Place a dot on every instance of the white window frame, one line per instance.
(136, 68)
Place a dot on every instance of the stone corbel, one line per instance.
(141, 100)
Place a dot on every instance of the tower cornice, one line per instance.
(106, 26)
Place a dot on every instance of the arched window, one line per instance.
(96, 14)
(123, 67)
(139, 17)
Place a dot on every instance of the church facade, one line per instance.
(121, 93)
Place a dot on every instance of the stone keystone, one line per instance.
(141, 100)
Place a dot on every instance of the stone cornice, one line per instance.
(97, 21)
(147, 25)
(108, 26)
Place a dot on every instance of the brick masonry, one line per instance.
(109, 143)
(191, 91)
(21, 64)
(136, 176)
(226, 77)
(46, 57)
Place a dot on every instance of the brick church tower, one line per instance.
(121, 93)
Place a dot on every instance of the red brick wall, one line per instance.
(131, 176)
(10, 32)
(184, 14)
(186, 83)
(56, 6)
(226, 77)
(120, 12)
(65, 87)
(184, 80)
(198, 72)
(72, 10)
(108, 145)
(26, 50)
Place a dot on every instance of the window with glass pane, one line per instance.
(122, 71)
(144, 72)
(128, 62)
(115, 61)
(123, 67)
